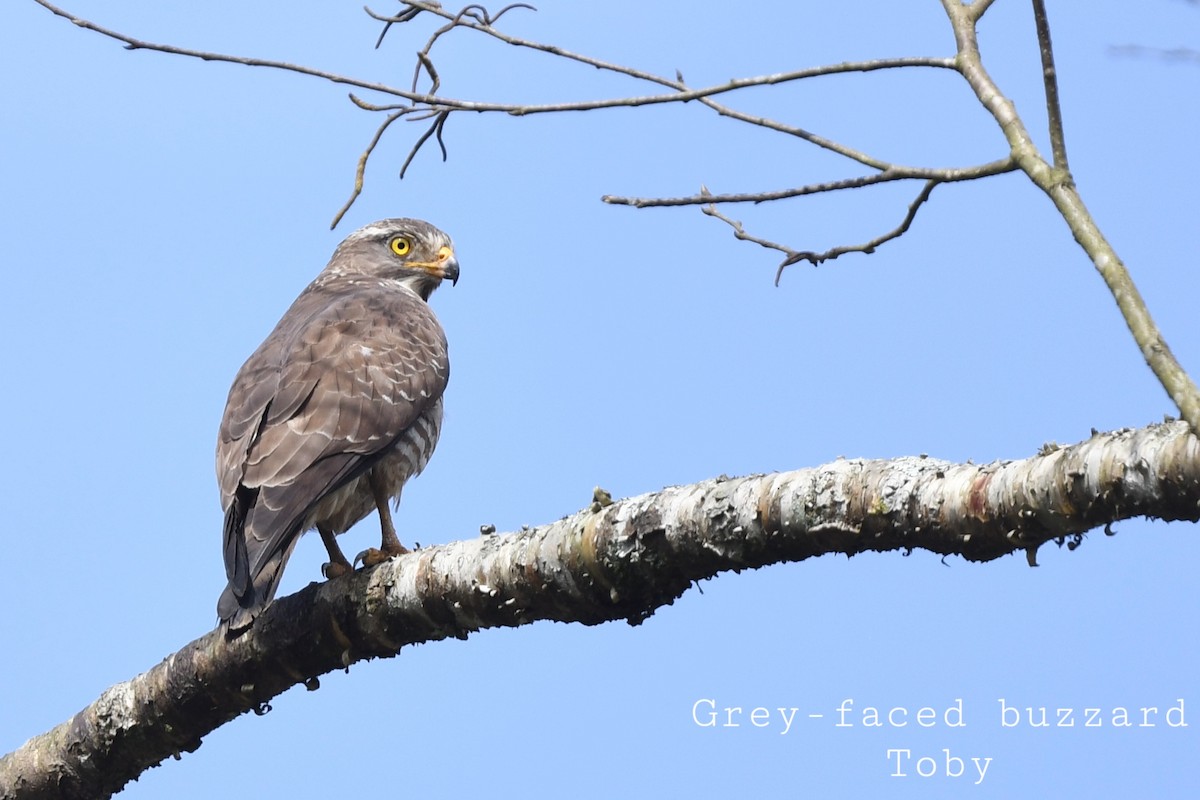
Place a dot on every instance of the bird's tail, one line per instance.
(253, 577)
(262, 526)
(238, 609)
(233, 613)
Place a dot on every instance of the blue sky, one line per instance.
(163, 212)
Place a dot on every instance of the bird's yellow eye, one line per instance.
(401, 245)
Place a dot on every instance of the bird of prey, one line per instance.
(336, 409)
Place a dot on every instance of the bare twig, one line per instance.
(475, 12)
(426, 63)
(1058, 142)
(892, 173)
(434, 129)
(361, 170)
(139, 44)
(404, 16)
(867, 247)
(790, 256)
(932, 178)
(793, 256)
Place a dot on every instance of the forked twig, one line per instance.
(434, 129)
(790, 256)
(793, 256)
(1056, 182)
(866, 247)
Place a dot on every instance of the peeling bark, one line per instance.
(620, 561)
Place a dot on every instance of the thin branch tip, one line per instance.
(1058, 144)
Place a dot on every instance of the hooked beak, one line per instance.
(447, 264)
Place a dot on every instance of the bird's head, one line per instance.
(409, 251)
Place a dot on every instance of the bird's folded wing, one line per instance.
(340, 378)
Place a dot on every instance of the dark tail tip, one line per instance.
(236, 617)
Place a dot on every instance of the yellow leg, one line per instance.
(389, 543)
(338, 565)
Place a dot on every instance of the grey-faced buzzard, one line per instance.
(335, 410)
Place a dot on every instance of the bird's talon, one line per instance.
(373, 555)
(370, 557)
(331, 570)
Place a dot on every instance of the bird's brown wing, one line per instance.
(346, 371)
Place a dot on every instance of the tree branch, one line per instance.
(790, 256)
(866, 247)
(1058, 142)
(1054, 179)
(479, 21)
(437, 103)
(679, 85)
(1058, 185)
(423, 105)
(616, 562)
(795, 256)
(139, 44)
(360, 171)
(892, 173)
